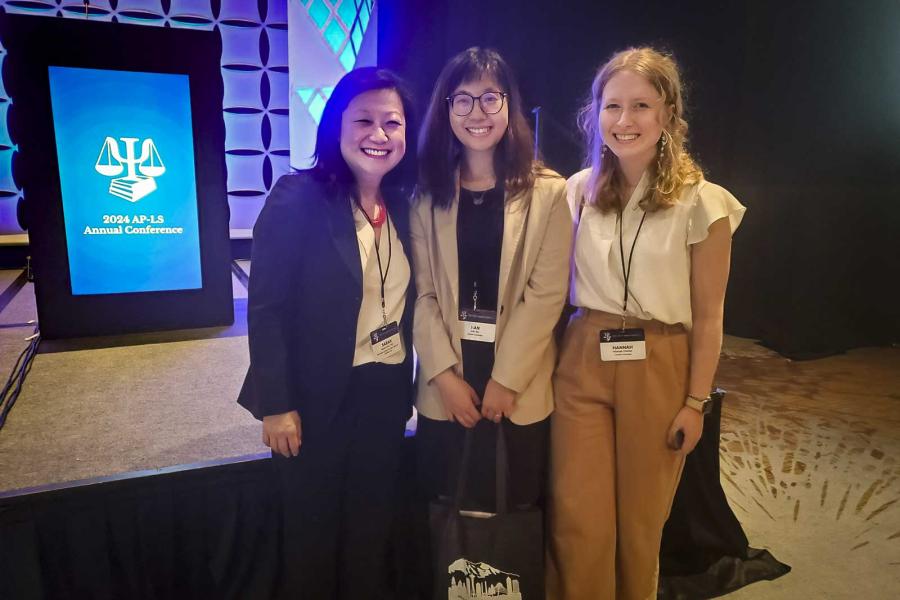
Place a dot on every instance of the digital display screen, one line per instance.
(124, 142)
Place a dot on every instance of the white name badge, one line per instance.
(476, 325)
(622, 344)
(386, 341)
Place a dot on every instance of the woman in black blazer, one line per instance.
(330, 319)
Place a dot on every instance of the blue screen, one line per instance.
(125, 147)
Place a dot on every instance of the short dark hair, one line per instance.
(440, 151)
(329, 164)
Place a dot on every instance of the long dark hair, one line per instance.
(329, 164)
(440, 151)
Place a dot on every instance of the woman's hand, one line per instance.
(499, 401)
(690, 422)
(282, 433)
(458, 397)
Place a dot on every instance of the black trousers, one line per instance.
(340, 492)
(439, 452)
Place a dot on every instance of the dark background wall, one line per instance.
(794, 107)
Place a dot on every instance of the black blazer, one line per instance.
(305, 294)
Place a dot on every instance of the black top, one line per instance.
(479, 239)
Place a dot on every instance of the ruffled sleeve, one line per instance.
(712, 203)
(575, 192)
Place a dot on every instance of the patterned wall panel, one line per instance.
(9, 191)
(255, 74)
(327, 39)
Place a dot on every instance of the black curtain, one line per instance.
(209, 533)
(793, 107)
(704, 552)
(214, 533)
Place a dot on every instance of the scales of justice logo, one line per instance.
(131, 187)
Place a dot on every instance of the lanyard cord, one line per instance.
(478, 199)
(627, 272)
(382, 274)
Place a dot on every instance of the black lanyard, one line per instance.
(626, 272)
(382, 274)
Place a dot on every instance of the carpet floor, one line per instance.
(810, 466)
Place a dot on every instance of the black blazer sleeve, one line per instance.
(268, 388)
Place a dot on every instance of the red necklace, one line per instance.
(380, 215)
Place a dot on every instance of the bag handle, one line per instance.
(501, 476)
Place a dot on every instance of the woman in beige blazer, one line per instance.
(491, 240)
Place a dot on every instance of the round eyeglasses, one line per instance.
(462, 104)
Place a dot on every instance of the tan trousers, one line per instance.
(612, 475)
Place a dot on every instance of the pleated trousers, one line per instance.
(612, 474)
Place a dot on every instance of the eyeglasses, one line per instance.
(462, 104)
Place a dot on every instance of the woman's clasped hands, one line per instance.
(462, 403)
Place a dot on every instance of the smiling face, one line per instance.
(632, 116)
(373, 135)
(479, 132)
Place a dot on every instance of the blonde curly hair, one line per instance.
(675, 168)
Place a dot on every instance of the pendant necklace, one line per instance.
(379, 214)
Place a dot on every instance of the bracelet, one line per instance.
(701, 405)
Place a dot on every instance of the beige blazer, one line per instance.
(534, 277)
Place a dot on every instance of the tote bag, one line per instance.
(487, 556)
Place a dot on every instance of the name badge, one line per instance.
(476, 325)
(622, 344)
(386, 341)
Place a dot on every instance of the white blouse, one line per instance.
(395, 287)
(659, 281)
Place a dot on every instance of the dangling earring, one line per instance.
(604, 151)
(663, 139)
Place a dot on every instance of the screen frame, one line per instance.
(34, 44)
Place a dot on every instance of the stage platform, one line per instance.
(113, 407)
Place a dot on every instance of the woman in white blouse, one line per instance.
(651, 262)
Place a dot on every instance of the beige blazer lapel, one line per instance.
(514, 216)
(444, 223)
